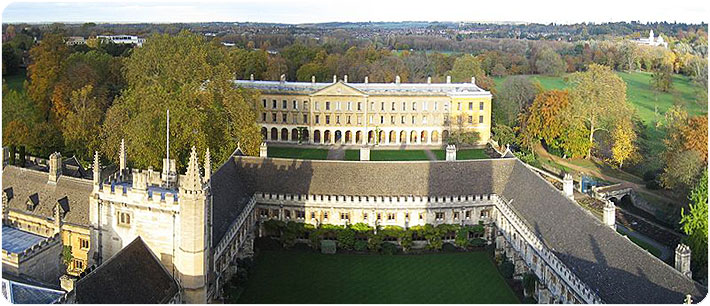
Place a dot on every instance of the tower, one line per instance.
(122, 156)
(208, 166)
(191, 257)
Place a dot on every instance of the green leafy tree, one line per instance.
(550, 63)
(598, 98)
(662, 77)
(513, 97)
(468, 66)
(346, 238)
(81, 125)
(43, 73)
(193, 79)
(695, 225)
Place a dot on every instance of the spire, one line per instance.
(193, 180)
(97, 171)
(122, 155)
(208, 166)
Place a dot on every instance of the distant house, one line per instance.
(122, 39)
(75, 40)
(652, 41)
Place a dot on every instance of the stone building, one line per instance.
(198, 224)
(370, 113)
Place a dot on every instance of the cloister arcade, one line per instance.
(382, 136)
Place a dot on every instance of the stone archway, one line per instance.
(294, 134)
(402, 137)
(326, 136)
(316, 136)
(348, 136)
(393, 137)
(423, 137)
(434, 136)
(413, 137)
(382, 137)
(264, 133)
(284, 134)
(274, 134)
(371, 137)
(358, 137)
(338, 136)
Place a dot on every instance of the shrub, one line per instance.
(449, 247)
(529, 280)
(360, 245)
(374, 244)
(477, 242)
(406, 240)
(66, 255)
(653, 184)
(361, 227)
(346, 238)
(273, 227)
(507, 269)
(389, 248)
(327, 247)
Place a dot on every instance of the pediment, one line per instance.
(338, 89)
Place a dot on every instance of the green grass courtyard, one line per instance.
(299, 153)
(302, 277)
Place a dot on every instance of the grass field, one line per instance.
(352, 154)
(304, 277)
(299, 153)
(398, 155)
(650, 105)
(464, 154)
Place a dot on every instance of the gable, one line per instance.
(338, 89)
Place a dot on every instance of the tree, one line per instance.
(499, 70)
(468, 66)
(43, 73)
(598, 98)
(545, 119)
(682, 169)
(695, 225)
(81, 125)
(10, 59)
(662, 77)
(461, 137)
(550, 63)
(514, 96)
(624, 147)
(193, 79)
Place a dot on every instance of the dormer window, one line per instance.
(63, 206)
(32, 201)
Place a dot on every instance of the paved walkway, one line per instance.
(665, 251)
(336, 153)
(430, 154)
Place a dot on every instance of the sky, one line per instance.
(313, 11)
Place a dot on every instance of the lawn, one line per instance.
(398, 155)
(352, 155)
(464, 154)
(650, 105)
(303, 277)
(298, 153)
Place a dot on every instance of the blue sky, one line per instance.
(307, 11)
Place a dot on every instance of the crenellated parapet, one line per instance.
(375, 201)
(32, 251)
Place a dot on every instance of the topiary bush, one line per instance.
(477, 242)
(507, 269)
(374, 244)
(346, 238)
(389, 248)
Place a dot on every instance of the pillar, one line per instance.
(682, 260)
(610, 215)
(364, 153)
(450, 153)
(568, 185)
(263, 150)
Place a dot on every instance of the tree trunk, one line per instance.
(591, 138)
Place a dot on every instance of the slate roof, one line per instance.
(423, 178)
(229, 198)
(23, 290)
(436, 89)
(620, 271)
(133, 276)
(22, 184)
(16, 241)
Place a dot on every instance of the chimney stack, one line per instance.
(55, 167)
(367, 80)
(397, 79)
(282, 79)
(335, 78)
(122, 156)
(428, 80)
(345, 78)
(313, 79)
(251, 77)
(448, 79)
(682, 260)
(568, 185)
(473, 80)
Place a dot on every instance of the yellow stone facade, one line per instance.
(370, 113)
